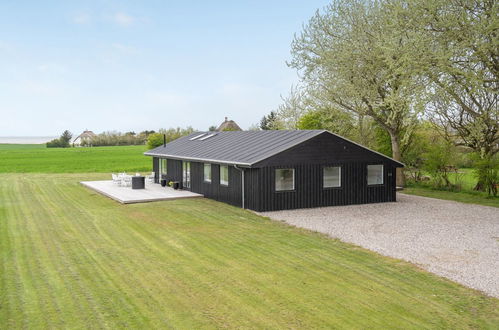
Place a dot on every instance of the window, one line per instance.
(224, 175)
(284, 179)
(162, 167)
(196, 137)
(207, 173)
(332, 177)
(207, 136)
(186, 175)
(374, 174)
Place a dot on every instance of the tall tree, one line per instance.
(292, 108)
(270, 122)
(460, 56)
(355, 54)
(458, 53)
(66, 137)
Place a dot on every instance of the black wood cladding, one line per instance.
(324, 149)
(230, 194)
(155, 168)
(309, 190)
(260, 194)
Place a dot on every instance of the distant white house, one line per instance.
(85, 136)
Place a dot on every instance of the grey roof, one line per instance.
(243, 148)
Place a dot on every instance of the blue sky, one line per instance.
(135, 65)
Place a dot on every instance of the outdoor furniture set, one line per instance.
(136, 182)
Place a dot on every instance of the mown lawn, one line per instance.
(36, 158)
(70, 258)
(470, 197)
(465, 178)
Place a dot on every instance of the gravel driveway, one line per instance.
(455, 240)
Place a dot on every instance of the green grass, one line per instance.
(463, 196)
(466, 179)
(70, 258)
(33, 158)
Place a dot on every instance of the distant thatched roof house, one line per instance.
(228, 125)
(85, 136)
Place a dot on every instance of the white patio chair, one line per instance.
(116, 179)
(126, 181)
(121, 177)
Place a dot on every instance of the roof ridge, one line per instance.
(244, 148)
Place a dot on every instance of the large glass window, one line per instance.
(186, 175)
(207, 173)
(224, 175)
(332, 177)
(374, 174)
(162, 167)
(284, 179)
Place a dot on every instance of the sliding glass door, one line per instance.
(162, 168)
(186, 175)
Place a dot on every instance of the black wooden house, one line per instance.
(276, 170)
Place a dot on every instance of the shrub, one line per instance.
(55, 143)
(487, 174)
(156, 139)
(115, 139)
(62, 141)
(439, 163)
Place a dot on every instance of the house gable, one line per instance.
(325, 148)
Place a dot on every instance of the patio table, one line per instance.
(138, 182)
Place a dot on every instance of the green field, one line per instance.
(469, 197)
(36, 158)
(466, 179)
(70, 258)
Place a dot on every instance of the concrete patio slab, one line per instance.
(126, 195)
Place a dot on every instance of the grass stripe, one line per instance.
(72, 258)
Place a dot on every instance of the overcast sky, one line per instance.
(136, 65)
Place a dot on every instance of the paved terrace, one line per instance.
(127, 195)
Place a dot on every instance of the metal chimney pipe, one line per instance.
(164, 140)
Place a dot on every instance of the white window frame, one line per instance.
(382, 175)
(224, 183)
(324, 177)
(276, 176)
(207, 180)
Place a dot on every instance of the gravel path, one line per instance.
(455, 240)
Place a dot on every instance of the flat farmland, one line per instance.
(36, 158)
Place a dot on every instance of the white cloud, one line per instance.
(51, 68)
(40, 88)
(119, 18)
(124, 48)
(123, 19)
(167, 99)
(82, 18)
